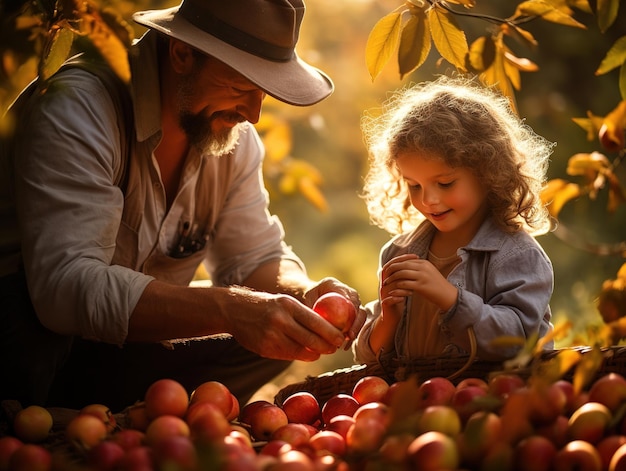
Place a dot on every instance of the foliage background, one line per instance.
(339, 241)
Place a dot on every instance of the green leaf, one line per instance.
(606, 13)
(415, 44)
(449, 39)
(58, 52)
(382, 42)
(614, 58)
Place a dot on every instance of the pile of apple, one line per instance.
(504, 423)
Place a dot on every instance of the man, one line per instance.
(109, 244)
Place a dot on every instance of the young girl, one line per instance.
(452, 161)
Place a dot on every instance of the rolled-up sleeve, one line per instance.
(69, 210)
(246, 235)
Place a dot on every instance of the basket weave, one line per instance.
(456, 368)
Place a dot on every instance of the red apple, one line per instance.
(303, 408)
(105, 455)
(166, 426)
(501, 385)
(472, 381)
(328, 442)
(589, 422)
(175, 452)
(85, 431)
(439, 418)
(266, 420)
(293, 433)
(207, 423)
(250, 409)
(365, 436)
(336, 309)
(30, 457)
(394, 448)
(433, 451)
(577, 455)
(217, 393)
(103, 413)
(137, 459)
(534, 453)
(32, 424)
(618, 460)
(609, 390)
(607, 448)
(571, 400)
(556, 431)
(166, 397)
(8, 445)
(436, 391)
(546, 403)
(370, 389)
(340, 424)
(376, 410)
(499, 457)
(275, 448)
(293, 460)
(482, 429)
(466, 400)
(129, 438)
(339, 404)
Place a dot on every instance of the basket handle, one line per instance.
(472, 356)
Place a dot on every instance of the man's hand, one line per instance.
(328, 285)
(280, 327)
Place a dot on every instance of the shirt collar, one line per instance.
(145, 86)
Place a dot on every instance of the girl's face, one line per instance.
(451, 198)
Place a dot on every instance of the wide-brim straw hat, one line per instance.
(255, 37)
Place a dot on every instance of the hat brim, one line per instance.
(294, 82)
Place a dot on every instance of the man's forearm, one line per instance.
(280, 276)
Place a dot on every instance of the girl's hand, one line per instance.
(407, 274)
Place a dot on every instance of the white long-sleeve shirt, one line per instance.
(88, 248)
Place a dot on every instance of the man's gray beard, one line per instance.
(204, 140)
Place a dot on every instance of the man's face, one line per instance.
(213, 100)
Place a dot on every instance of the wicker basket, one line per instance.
(456, 368)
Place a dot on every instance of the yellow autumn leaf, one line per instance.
(606, 13)
(312, 193)
(278, 141)
(587, 368)
(555, 368)
(449, 39)
(591, 124)
(583, 163)
(616, 193)
(560, 331)
(481, 54)
(382, 42)
(110, 46)
(465, 3)
(615, 57)
(548, 12)
(496, 76)
(522, 35)
(414, 44)
(288, 184)
(557, 193)
(57, 52)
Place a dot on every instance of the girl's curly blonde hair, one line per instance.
(468, 125)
